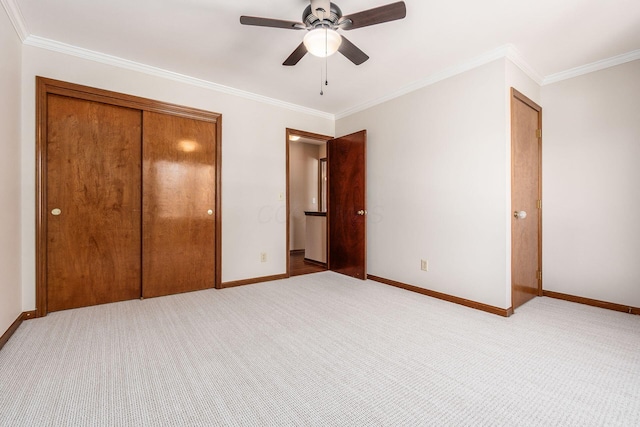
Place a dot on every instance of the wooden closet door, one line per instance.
(93, 203)
(178, 221)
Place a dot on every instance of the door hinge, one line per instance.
(539, 204)
(538, 133)
(539, 275)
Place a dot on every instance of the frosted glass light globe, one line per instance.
(322, 42)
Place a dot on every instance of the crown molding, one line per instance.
(115, 61)
(507, 51)
(593, 67)
(16, 18)
(518, 60)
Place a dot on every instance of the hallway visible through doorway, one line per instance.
(300, 266)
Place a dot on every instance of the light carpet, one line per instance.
(321, 350)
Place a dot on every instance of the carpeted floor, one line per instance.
(326, 350)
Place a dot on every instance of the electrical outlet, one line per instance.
(424, 265)
(280, 196)
(263, 257)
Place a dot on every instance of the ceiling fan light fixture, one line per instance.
(322, 42)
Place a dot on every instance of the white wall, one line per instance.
(437, 186)
(303, 189)
(253, 159)
(516, 78)
(10, 295)
(438, 177)
(591, 185)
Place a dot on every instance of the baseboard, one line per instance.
(450, 298)
(593, 302)
(314, 262)
(296, 252)
(252, 281)
(15, 325)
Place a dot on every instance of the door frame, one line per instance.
(46, 86)
(517, 96)
(288, 133)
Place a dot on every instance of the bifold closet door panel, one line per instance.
(93, 202)
(178, 221)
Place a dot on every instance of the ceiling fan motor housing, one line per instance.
(329, 19)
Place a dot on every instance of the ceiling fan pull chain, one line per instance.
(325, 51)
(326, 59)
(326, 72)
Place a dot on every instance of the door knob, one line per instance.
(520, 214)
(56, 212)
(209, 212)
(362, 212)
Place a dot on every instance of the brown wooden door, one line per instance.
(346, 216)
(178, 221)
(93, 203)
(525, 199)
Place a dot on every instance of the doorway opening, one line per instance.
(306, 202)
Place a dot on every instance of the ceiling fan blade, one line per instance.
(377, 15)
(296, 56)
(268, 22)
(352, 52)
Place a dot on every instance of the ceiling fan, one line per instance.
(322, 19)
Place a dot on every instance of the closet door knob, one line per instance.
(520, 214)
(56, 212)
(210, 212)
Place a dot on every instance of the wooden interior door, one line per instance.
(93, 203)
(526, 202)
(179, 193)
(346, 162)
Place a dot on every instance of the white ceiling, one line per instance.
(204, 39)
